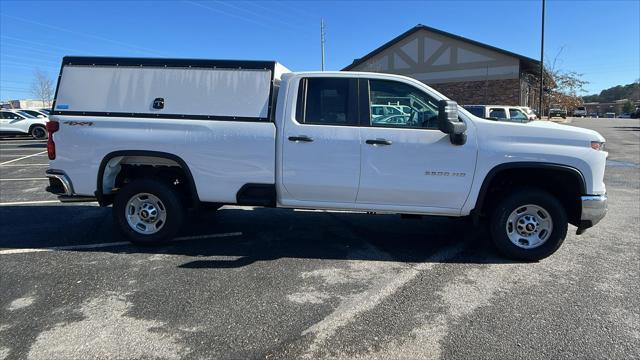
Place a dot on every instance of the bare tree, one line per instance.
(563, 88)
(42, 87)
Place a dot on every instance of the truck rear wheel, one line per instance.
(148, 212)
(529, 224)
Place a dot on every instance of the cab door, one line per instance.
(320, 145)
(407, 163)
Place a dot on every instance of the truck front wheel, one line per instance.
(148, 211)
(529, 224)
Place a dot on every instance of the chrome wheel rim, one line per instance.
(529, 226)
(145, 213)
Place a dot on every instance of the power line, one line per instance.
(18, 65)
(31, 49)
(9, 81)
(294, 8)
(275, 12)
(228, 13)
(117, 42)
(261, 16)
(21, 63)
(48, 62)
(14, 89)
(40, 44)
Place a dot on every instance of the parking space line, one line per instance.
(24, 157)
(3, 150)
(29, 202)
(103, 245)
(24, 164)
(15, 155)
(25, 179)
(207, 236)
(29, 141)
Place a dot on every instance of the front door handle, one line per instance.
(301, 138)
(378, 142)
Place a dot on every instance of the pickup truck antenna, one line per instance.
(322, 41)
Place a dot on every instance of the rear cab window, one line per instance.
(327, 101)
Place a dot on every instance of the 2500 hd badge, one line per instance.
(444, 173)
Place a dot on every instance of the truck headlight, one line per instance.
(597, 145)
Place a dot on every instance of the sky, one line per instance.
(600, 39)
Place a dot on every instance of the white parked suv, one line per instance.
(155, 137)
(498, 112)
(16, 122)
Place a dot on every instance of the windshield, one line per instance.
(33, 113)
(26, 114)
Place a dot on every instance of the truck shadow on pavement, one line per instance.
(266, 234)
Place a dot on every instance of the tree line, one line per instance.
(619, 92)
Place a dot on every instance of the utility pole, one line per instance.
(540, 107)
(322, 41)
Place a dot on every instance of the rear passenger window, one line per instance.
(497, 113)
(326, 101)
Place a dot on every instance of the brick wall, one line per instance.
(490, 92)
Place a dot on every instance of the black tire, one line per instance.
(172, 206)
(38, 132)
(515, 200)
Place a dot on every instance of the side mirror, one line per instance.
(449, 123)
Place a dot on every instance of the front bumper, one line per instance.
(594, 208)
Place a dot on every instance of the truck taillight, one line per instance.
(52, 127)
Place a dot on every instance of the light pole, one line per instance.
(541, 65)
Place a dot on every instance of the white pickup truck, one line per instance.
(155, 137)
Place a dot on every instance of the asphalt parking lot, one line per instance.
(273, 283)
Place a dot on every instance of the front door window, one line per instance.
(395, 104)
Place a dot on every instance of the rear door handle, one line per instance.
(378, 142)
(301, 138)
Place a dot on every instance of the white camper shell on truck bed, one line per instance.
(206, 89)
(154, 137)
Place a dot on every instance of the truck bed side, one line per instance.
(222, 156)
